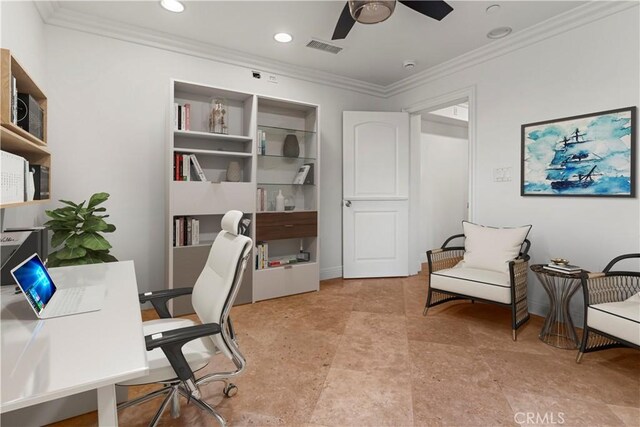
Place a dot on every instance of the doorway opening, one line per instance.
(442, 153)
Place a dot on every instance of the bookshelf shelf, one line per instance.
(212, 136)
(16, 140)
(285, 131)
(212, 152)
(291, 159)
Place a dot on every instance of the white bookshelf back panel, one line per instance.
(203, 198)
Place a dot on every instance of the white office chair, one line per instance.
(177, 348)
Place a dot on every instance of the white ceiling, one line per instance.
(372, 53)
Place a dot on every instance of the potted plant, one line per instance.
(78, 229)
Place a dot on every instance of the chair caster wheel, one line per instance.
(230, 390)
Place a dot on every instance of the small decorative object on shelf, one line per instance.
(218, 117)
(280, 202)
(559, 261)
(289, 204)
(233, 171)
(291, 148)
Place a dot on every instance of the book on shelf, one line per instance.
(40, 181)
(262, 142)
(186, 167)
(181, 116)
(14, 100)
(262, 255)
(186, 231)
(304, 175)
(261, 199)
(197, 169)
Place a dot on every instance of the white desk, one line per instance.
(44, 360)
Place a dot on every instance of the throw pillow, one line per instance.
(492, 248)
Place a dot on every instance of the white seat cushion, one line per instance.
(618, 319)
(197, 352)
(487, 284)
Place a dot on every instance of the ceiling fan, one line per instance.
(374, 11)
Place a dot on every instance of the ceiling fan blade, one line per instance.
(345, 23)
(436, 9)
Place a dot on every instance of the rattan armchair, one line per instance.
(611, 309)
(512, 290)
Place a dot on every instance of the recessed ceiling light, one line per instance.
(283, 37)
(493, 9)
(500, 32)
(172, 5)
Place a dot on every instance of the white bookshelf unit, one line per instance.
(263, 166)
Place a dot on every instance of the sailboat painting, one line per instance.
(587, 155)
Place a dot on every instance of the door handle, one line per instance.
(347, 203)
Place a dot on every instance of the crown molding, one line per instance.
(552, 27)
(54, 14)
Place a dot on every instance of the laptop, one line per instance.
(46, 299)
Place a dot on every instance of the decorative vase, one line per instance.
(234, 172)
(291, 148)
(280, 201)
(218, 117)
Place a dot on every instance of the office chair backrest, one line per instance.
(217, 285)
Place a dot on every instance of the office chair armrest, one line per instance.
(159, 299)
(171, 343)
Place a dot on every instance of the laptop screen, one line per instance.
(34, 280)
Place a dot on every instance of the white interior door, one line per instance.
(375, 206)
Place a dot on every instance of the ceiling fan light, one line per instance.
(371, 11)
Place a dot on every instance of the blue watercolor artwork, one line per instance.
(588, 155)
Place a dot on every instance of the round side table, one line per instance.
(558, 329)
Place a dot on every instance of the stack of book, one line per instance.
(181, 116)
(186, 231)
(262, 142)
(563, 268)
(262, 255)
(182, 170)
(261, 199)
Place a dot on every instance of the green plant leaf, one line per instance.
(74, 241)
(67, 202)
(93, 223)
(56, 214)
(97, 198)
(110, 228)
(99, 210)
(71, 253)
(93, 257)
(106, 256)
(94, 241)
(59, 237)
(52, 261)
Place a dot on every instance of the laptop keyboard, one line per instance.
(71, 300)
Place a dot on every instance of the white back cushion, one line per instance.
(492, 248)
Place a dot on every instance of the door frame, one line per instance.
(469, 93)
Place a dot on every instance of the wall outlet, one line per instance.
(272, 78)
(502, 174)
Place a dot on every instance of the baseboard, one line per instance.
(330, 273)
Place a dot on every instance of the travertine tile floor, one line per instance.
(360, 353)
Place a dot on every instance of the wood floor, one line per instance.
(360, 353)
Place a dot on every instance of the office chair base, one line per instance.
(204, 406)
(230, 390)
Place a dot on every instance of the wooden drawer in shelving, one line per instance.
(286, 225)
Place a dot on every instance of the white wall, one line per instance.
(108, 110)
(529, 85)
(19, 19)
(444, 183)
